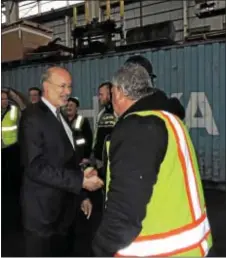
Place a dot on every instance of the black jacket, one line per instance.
(138, 147)
(52, 177)
(105, 124)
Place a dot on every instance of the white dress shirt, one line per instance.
(66, 126)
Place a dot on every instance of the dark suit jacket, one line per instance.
(52, 177)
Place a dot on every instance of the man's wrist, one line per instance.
(84, 184)
(88, 169)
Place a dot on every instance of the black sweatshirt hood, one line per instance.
(157, 100)
(109, 107)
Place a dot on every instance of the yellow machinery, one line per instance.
(97, 35)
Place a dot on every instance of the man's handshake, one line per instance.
(91, 181)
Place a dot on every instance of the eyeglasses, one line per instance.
(63, 86)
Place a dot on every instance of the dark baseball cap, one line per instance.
(75, 100)
(143, 61)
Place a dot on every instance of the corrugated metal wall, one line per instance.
(195, 74)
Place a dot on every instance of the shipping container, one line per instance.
(195, 74)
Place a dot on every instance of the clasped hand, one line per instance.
(91, 181)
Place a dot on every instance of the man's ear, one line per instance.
(45, 86)
(120, 94)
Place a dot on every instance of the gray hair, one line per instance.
(134, 81)
(45, 76)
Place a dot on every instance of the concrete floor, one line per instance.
(12, 240)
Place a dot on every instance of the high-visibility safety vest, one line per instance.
(77, 126)
(176, 223)
(9, 126)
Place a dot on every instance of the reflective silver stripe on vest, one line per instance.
(80, 141)
(13, 112)
(169, 244)
(9, 128)
(78, 122)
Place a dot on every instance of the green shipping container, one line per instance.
(195, 74)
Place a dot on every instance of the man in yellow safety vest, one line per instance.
(10, 118)
(10, 162)
(154, 197)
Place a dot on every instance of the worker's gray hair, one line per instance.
(134, 81)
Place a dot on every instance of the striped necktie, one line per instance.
(58, 115)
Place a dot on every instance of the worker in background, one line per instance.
(80, 240)
(10, 118)
(35, 95)
(173, 103)
(106, 120)
(10, 115)
(155, 204)
(81, 128)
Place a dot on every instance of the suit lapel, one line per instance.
(56, 125)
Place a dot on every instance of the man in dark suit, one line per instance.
(53, 178)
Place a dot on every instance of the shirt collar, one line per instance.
(49, 105)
